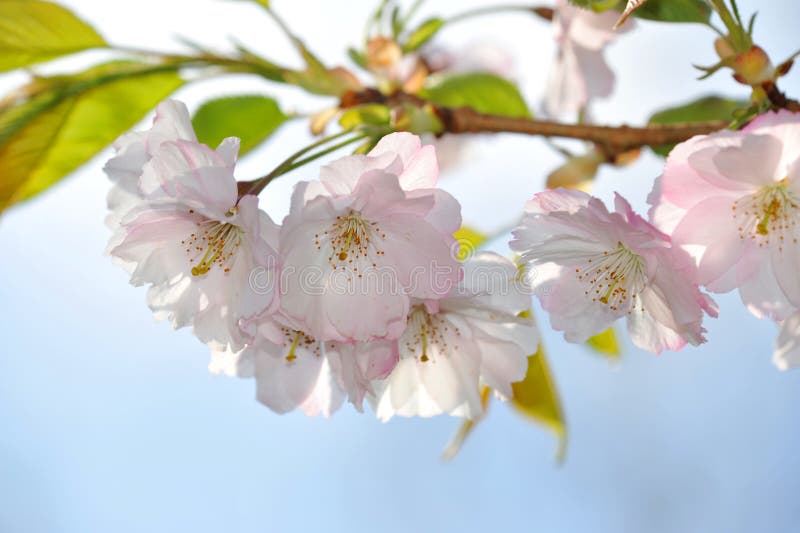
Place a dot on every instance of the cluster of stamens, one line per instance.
(212, 244)
(768, 216)
(352, 242)
(294, 339)
(426, 331)
(613, 277)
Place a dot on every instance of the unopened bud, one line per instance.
(753, 67)
(724, 49)
(383, 53)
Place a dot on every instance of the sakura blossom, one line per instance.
(475, 336)
(787, 349)
(371, 234)
(294, 370)
(580, 73)
(194, 241)
(590, 267)
(732, 199)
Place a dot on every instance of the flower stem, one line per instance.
(294, 161)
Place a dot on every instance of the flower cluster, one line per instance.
(725, 215)
(357, 295)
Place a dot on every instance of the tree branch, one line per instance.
(611, 139)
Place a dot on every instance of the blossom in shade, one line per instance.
(787, 349)
(580, 72)
(207, 254)
(452, 346)
(590, 267)
(367, 237)
(732, 199)
(292, 369)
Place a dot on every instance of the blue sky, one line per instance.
(110, 421)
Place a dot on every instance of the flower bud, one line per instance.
(753, 67)
(724, 49)
(383, 53)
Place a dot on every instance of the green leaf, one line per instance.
(469, 241)
(705, 109)
(32, 32)
(365, 115)
(485, 93)
(675, 11)
(330, 82)
(423, 34)
(535, 397)
(74, 117)
(252, 118)
(605, 344)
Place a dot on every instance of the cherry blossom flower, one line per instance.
(732, 199)
(372, 233)
(207, 255)
(590, 267)
(451, 347)
(787, 349)
(292, 369)
(580, 72)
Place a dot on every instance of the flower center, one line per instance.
(613, 277)
(213, 244)
(768, 216)
(352, 241)
(293, 339)
(427, 334)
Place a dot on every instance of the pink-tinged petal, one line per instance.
(445, 215)
(787, 348)
(327, 396)
(785, 126)
(650, 335)
(786, 265)
(173, 122)
(152, 240)
(228, 150)
(560, 199)
(193, 174)
(761, 292)
(422, 258)
(595, 71)
(753, 163)
(711, 226)
(341, 177)
(282, 384)
(574, 312)
(451, 379)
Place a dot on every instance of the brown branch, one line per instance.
(612, 140)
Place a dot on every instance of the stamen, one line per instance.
(216, 241)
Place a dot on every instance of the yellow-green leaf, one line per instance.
(47, 137)
(485, 93)
(469, 241)
(251, 118)
(466, 428)
(536, 398)
(32, 32)
(423, 33)
(605, 344)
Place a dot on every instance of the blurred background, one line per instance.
(109, 421)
